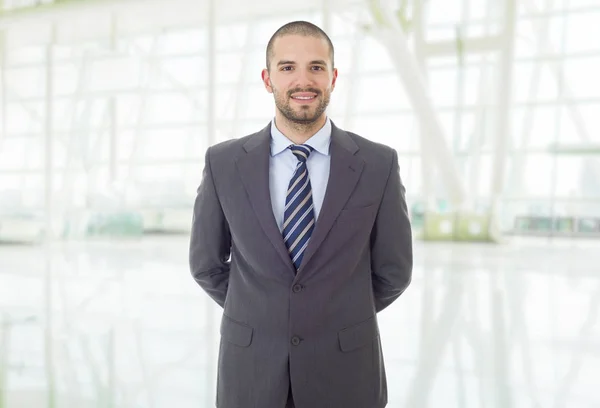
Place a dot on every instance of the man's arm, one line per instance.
(391, 243)
(210, 242)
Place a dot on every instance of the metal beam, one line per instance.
(49, 353)
(3, 84)
(504, 117)
(482, 108)
(326, 25)
(211, 128)
(238, 10)
(4, 360)
(143, 98)
(211, 99)
(57, 8)
(427, 162)
(391, 35)
(353, 72)
(113, 144)
(523, 141)
(49, 137)
(566, 95)
(501, 361)
(592, 149)
(241, 100)
(470, 46)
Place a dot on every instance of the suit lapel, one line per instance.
(253, 168)
(344, 173)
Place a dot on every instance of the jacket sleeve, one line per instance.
(210, 241)
(391, 243)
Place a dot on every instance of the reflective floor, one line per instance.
(122, 324)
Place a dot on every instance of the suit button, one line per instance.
(295, 340)
(297, 288)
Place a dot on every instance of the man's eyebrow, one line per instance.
(289, 62)
(285, 63)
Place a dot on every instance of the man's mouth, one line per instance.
(304, 96)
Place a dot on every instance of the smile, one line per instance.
(304, 96)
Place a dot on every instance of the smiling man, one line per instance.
(301, 233)
(301, 87)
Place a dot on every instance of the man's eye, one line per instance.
(318, 67)
(286, 68)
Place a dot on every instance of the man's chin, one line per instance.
(304, 121)
(303, 116)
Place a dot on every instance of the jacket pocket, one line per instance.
(236, 332)
(357, 211)
(358, 335)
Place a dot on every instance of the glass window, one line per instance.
(117, 73)
(589, 115)
(569, 177)
(442, 84)
(31, 82)
(395, 130)
(25, 54)
(374, 56)
(534, 127)
(24, 117)
(171, 108)
(440, 11)
(182, 41)
(538, 175)
(581, 76)
(534, 81)
(583, 31)
(232, 36)
(380, 93)
(180, 73)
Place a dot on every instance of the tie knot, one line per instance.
(301, 151)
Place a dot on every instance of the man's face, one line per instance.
(301, 77)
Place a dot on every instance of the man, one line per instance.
(300, 232)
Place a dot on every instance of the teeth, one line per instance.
(304, 97)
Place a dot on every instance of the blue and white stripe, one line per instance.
(299, 218)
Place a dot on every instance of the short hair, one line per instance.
(299, 28)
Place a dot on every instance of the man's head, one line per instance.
(302, 28)
(300, 71)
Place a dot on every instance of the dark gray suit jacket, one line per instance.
(316, 328)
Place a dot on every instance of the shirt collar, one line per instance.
(319, 141)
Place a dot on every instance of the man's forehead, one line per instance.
(291, 40)
(294, 47)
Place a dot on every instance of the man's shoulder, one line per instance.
(371, 150)
(229, 146)
(232, 147)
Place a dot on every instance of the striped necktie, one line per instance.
(298, 216)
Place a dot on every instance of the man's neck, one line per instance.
(299, 133)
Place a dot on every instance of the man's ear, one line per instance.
(335, 75)
(267, 80)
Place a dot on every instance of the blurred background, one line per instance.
(107, 108)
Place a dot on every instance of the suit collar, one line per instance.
(343, 139)
(319, 141)
(258, 139)
(253, 168)
(345, 170)
(339, 136)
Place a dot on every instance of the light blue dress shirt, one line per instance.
(283, 163)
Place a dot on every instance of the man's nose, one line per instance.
(304, 79)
